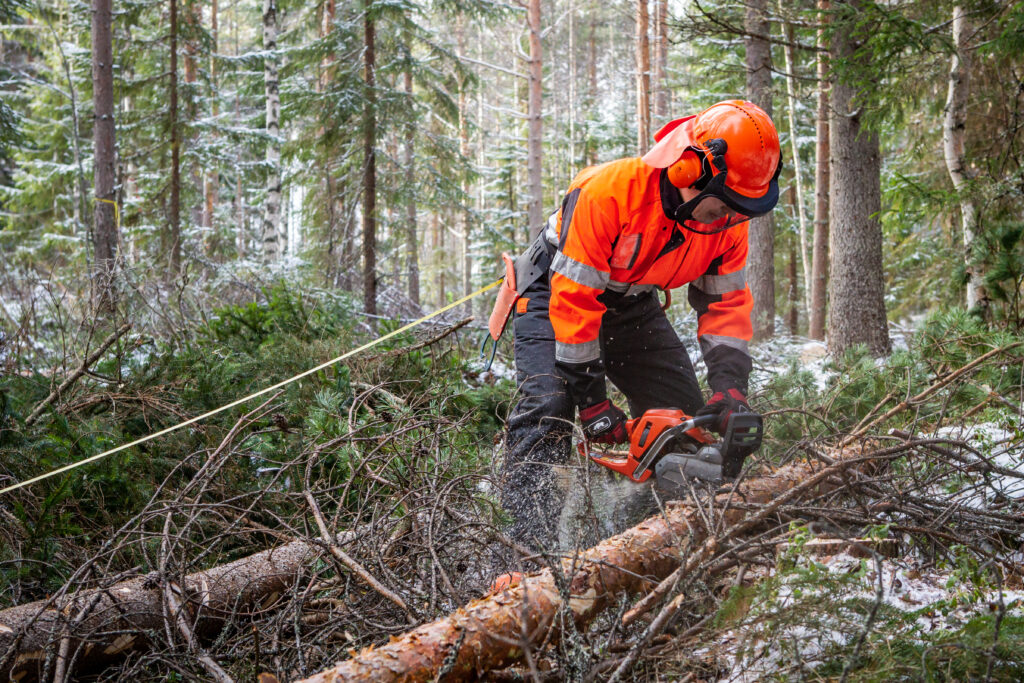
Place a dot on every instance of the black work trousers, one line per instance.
(643, 357)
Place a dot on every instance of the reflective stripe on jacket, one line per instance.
(615, 233)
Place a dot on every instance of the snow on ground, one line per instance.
(937, 599)
(774, 357)
(1000, 447)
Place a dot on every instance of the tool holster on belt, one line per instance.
(529, 267)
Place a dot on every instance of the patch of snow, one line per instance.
(775, 355)
(932, 596)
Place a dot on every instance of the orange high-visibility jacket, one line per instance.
(614, 234)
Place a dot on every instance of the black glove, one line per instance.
(604, 423)
(723, 404)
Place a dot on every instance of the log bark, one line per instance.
(96, 622)
(490, 633)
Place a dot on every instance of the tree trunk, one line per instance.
(271, 236)
(369, 166)
(761, 257)
(193, 26)
(954, 133)
(856, 304)
(172, 247)
(465, 218)
(103, 625)
(819, 257)
(661, 93)
(791, 275)
(805, 262)
(210, 179)
(105, 233)
(412, 248)
(489, 633)
(535, 133)
(643, 79)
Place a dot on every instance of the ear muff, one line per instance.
(687, 170)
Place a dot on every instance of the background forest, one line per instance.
(200, 199)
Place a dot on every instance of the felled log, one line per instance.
(94, 627)
(492, 632)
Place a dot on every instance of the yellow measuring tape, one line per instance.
(261, 392)
(117, 218)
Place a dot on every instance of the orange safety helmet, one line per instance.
(729, 151)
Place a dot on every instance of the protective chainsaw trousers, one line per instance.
(643, 357)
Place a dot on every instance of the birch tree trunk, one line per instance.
(105, 233)
(271, 230)
(535, 133)
(954, 130)
(643, 78)
(819, 257)
(856, 303)
(761, 255)
(369, 164)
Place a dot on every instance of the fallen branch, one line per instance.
(81, 370)
(96, 621)
(493, 632)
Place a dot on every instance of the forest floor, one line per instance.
(377, 474)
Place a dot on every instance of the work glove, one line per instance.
(604, 423)
(724, 404)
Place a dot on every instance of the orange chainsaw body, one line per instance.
(643, 435)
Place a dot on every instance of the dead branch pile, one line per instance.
(423, 528)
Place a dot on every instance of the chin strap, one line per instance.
(715, 185)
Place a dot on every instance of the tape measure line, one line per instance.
(261, 392)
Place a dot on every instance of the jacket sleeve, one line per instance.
(579, 274)
(723, 303)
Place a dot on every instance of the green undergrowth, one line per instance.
(860, 383)
(393, 402)
(804, 622)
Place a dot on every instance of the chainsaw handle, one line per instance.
(692, 423)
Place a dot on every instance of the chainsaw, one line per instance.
(676, 448)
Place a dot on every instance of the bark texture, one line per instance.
(535, 208)
(102, 625)
(490, 633)
(856, 301)
(761, 257)
(819, 258)
(954, 133)
(105, 233)
(271, 231)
